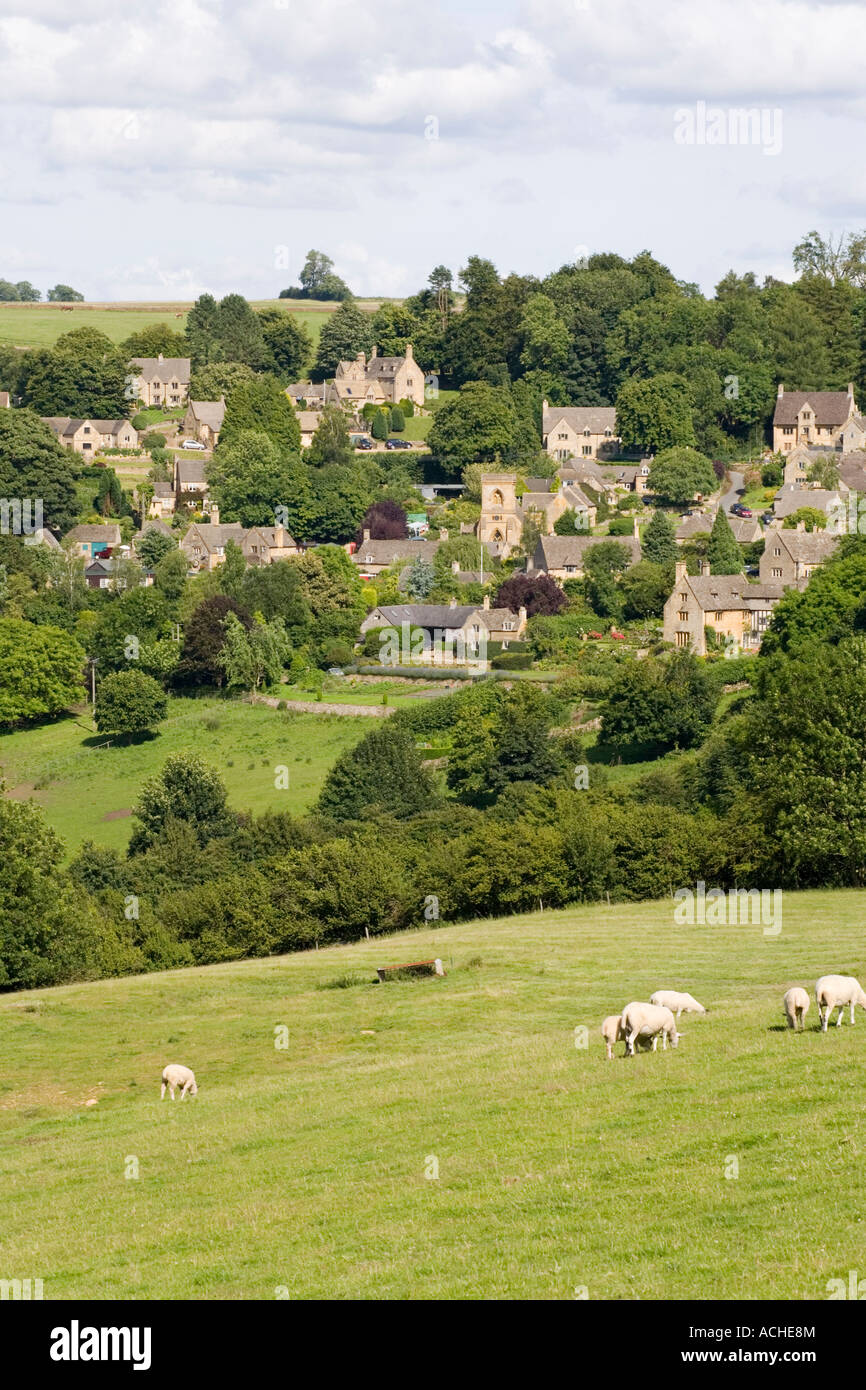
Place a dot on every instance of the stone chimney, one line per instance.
(214, 512)
(705, 569)
(443, 533)
(366, 533)
(160, 358)
(486, 603)
(455, 566)
(801, 525)
(522, 615)
(681, 570)
(373, 351)
(781, 391)
(279, 536)
(408, 353)
(452, 602)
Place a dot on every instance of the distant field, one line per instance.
(85, 790)
(445, 1138)
(39, 325)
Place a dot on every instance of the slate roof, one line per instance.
(830, 407)
(556, 552)
(595, 418)
(210, 413)
(151, 369)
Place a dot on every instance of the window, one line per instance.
(682, 639)
(683, 616)
(719, 617)
(87, 446)
(562, 436)
(87, 429)
(777, 574)
(587, 449)
(569, 569)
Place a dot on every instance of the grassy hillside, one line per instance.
(303, 1170)
(87, 790)
(39, 325)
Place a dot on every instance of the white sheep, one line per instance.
(833, 991)
(676, 1002)
(611, 1031)
(796, 1006)
(645, 1021)
(174, 1075)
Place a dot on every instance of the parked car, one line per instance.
(768, 518)
(397, 444)
(745, 511)
(363, 443)
(191, 444)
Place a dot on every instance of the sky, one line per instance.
(208, 144)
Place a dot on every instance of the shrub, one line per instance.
(506, 662)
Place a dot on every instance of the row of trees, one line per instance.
(22, 292)
(770, 793)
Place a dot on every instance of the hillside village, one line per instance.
(507, 573)
(178, 503)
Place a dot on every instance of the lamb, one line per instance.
(796, 1006)
(175, 1075)
(611, 1031)
(676, 1002)
(834, 991)
(645, 1021)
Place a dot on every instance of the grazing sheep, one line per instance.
(645, 1021)
(611, 1031)
(174, 1075)
(676, 1002)
(834, 991)
(796, 1006)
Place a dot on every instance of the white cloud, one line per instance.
(198, 133)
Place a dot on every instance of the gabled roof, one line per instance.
(65, 425)
(595, 418)
(152, 369)
(210, 413)
(852, 471)
(808, 547)
(429, 614)
(830, 407)
(110, 533)
(213, 536)
(384, 552)
(790, 499)
(154, 524)
(557, 552)
(190, 471)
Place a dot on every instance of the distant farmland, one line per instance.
(39, 325)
